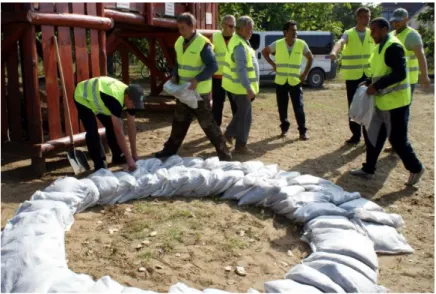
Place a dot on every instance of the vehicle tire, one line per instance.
(316, 78)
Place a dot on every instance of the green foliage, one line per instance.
(427, 32)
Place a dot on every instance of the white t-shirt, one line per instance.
(360, 34)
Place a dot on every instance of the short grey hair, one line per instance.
(244, 21)
(228, 17)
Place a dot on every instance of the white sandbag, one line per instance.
(37, 279)
(338, 195)
(148, 184)
(180, 288)
(285, 192)
(172, 161)
(287, 175)
(62, 212)
(345, 242)
(136, 290)
(361, 203)
(68, 281)
(127, 184)
(238, 190)
(258, 193)
(277, 182)
(288, 286)
(294, 202)
(315, 209)
(198, 184)
(303, 274)
(173, 179)
(164, 180)
(68, 198)
(389, 219)
(150, 165)
(252, 166)
(183, 94)
(214, 291)
(345, 260)
(350, 280)
(251, 290)
(93, 195)
(386, 239)
(82, 189)
(106, 285)
(362, 108)
(329, 222)
(107, 184)
(196, 162)
(266, 172)
(223, 180)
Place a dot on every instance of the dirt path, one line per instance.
(196, 239)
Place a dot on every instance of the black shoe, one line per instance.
(119, 159)
(353, 141)
(283, 134)
(163, 154)
(103, 165)
(304, 137)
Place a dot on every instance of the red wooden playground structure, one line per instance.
(87, 33)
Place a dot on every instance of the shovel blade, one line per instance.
(78, 161)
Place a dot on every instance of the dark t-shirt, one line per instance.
(114, 106)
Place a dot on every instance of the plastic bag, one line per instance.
(362, 108)
(183, 94)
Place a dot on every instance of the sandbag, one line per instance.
(259, 191)
(286, 175)
(183, 94)
(173, 179)
(136, 290)
(386, 239)
(315, 209)
(350, 280)
(238, 190)
(68, 281)
(294, 202)
(214, 291)
(106, 285)
(252, 166)
(362, 107)
(361, 203)
(389, 219)
(289, 286)
(285, 192)
(330, 222)
(223, 180)
(265, 172)
(199, 180)
(172, 161)
(107, 184)
(338, 195)
(195, 162)
(345, 242)
(147, 185)
(345, 260)
(86, 192)
(180, 288)
(127, 184)
(150, 165)
(68, 198)
(309, 276)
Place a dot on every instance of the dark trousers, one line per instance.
(240, 126)
(93, 141)
(296, 94)
(398, 139)
(183, 116)
(218, 97)
(352, 86)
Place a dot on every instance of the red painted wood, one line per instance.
(66, 54)
(124, 64)
(95, 56)
(102, 43)
(4, 113)
(51, 76)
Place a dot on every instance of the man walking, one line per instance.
(220, 41)
(391, 87)
(355, 61)
(289, 53)
(196, 64)
(106, 97)
(241, 80)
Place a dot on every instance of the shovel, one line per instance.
(77, 158)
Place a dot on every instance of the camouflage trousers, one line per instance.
(183, 116)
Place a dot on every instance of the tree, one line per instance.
(426, 30)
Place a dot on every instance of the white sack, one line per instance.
(361, 203)
(329, 222)
(107, 184)
(389, 219)
(285, 193)
(315, 209)
(150, 165)
(362, 108)
(127, 184)
(238, 190)
(198, 183)
(294, 202)
(303, 274)
(68, 198)
(195, 162)
(106, 285)
(172, 161)
(259, 192)
(68, 281)
(252, 166)
(289, 286)
(183, 94)
(287, 175)
(223, 180)
(180, 288)
(338, 195)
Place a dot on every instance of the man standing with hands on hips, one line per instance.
(355, 61)
(390, 86)
(289, 53)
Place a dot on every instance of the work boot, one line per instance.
(304, 137)
(361, 173)
(102, 165)
(414, 178)
(283, 134)
(353, 141)
(243, 149)
(121, 159)
(163, 154)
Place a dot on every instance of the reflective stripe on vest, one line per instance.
(394, 96)
(190, 63)
(220, 49)
(231, 82)
(356, 55)
(412, 60)
(288, 65)
(87, 93)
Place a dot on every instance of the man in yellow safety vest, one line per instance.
(241, 80)
(358, 46)
(390, 85)
(106, 98)
(195, 64)
(220, 41)
(289, 53)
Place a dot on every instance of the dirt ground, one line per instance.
(197, 238)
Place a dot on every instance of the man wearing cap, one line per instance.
(390, 86)
(220, 41)
(355, 61)
(106, 98)
(195, 64)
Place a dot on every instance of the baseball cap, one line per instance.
(136, 93)
(399, 14)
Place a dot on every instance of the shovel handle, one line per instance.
(64, 91)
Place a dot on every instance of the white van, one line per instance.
(320, 43)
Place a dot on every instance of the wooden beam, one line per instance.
(13, 17)
(91, 9)
(102, 43)
(170, 58)
(70, 20)
(11, 39)
(125, 17)
(125, 64)
(4, 113)
(31, 86)
(112, 43)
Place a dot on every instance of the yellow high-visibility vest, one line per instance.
(412, 60)
(356, 55)
(288, 65)
(220, 49)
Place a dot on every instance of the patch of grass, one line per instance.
(147, 256)
(180, 213)
(175, 235)
(135, 229)
(232, 244)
